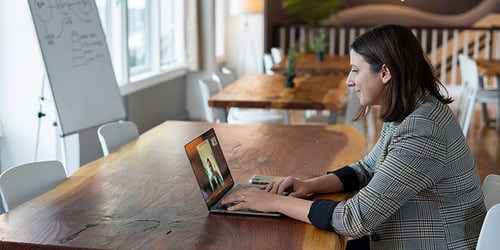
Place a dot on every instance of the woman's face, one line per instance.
(367, 85)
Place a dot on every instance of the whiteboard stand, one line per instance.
(66, 147)
(40, 115)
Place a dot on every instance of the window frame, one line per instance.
(130, 79)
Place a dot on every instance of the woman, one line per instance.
(418, 187)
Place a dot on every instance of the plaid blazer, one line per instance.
(418, 187)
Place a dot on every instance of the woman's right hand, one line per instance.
(290, 185)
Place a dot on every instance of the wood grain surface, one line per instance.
(144, 196)
(268, 91)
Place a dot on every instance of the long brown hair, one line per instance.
(412, 76)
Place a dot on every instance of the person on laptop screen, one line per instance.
(418, 187)
(214, 176)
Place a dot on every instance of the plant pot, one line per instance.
(289, 82)
(320, 56)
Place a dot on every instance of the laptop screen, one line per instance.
(209, 166)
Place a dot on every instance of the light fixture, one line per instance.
(246, 7)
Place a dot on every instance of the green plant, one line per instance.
(312, 12)
(319, 43)
(290, 63)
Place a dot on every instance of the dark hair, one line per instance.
(412, 76)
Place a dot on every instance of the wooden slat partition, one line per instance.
(441, 44)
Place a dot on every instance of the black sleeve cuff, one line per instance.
(320, 214)
(348, 177)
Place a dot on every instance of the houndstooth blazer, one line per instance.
(418, 187)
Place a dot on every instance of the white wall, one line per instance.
(21, 72)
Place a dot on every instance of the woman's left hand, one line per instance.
(253, 199)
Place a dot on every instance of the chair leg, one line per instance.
(486, 119)
(497, 120)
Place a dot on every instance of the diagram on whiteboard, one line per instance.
(58, 19)
(83, 48)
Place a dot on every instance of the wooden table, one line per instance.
(317, 92)
(145, 196)
(308, 64)
(491, 68)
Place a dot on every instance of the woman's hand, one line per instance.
(292, 186)
(259, 200)
(253, 199)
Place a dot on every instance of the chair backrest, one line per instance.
(491, 190)
(489, 235)
(224, 79)
(277, 54)
(216, 76)
(208, 88)
(470, 84)
(352, 108)
(268, 64)
(229, 71)
(24, 182)
(116, 134)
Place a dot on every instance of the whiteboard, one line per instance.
(77, 63)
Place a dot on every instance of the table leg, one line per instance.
(287, 116)
(332, 118)
(221, 113)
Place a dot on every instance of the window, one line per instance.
(220, 16)
(171, 25)
(138, 37)
(146, 38)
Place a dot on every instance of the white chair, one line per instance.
(116, 134)
(235, 115)
(225, 77)
(490, 233)
(268, 64)
(219, 78)
(24, 182)
(277, 54)
(468, 68)
(229, 71)
(352, 107)
(208, 88)
(491, 190)
(255, 116)
(485, 96)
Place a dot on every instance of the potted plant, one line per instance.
(319, 46)
(290, 64)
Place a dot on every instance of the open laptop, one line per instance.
(212, 173)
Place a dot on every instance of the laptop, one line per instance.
(213, 175)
